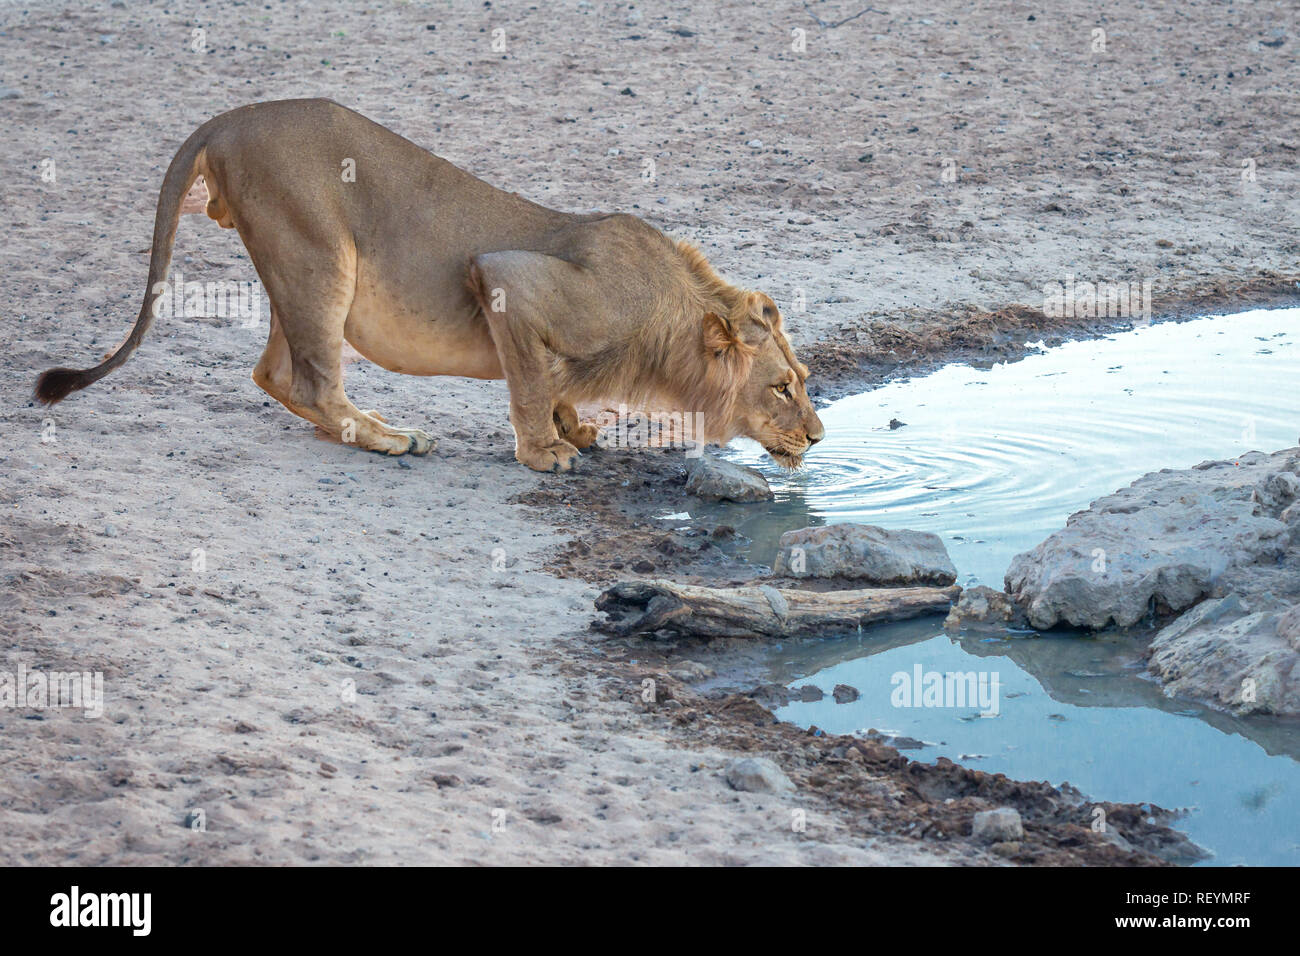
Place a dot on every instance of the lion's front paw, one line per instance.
(557, 456)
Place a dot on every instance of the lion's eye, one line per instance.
(782, 389)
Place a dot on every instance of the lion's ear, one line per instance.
(718, 335)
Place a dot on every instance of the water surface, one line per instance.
(994, 460)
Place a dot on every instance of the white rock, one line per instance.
(865, 553)
(757, 775)
(983, 609)
(1168, 540)
(1231, 654)
(715, 479)
(998, 826)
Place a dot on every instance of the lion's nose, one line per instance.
(815, 436)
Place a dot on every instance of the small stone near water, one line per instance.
(771, 696)
(863, 552)
(998, 826)
(757, 775)
(688, 671)
(983, 609)
(894, 423)
(717, 480)
(9, 93)
(844, 694)
(897, 741)
(810, 693)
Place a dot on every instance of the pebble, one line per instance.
(757, 775)
(998, 826)
(844, 693)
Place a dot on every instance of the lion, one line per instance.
(359, 235)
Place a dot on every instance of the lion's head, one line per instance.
(769, 401)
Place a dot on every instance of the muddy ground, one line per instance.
(391, 661)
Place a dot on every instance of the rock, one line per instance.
(757, 775)
(983, 609)
(844, 694)
(9, 93)
(1241, 654)
(717, 480)
(998, 826)
(865, 553)
(771, 696)
(1277, 491)
(1291, 518)
(1111, 835)
(690, 671)
(810, 693)
(1007, 848)
(898, 742)
(1164, 543)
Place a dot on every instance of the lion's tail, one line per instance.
(57, 384)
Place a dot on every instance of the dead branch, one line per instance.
(642, 607)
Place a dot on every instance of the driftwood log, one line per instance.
(642, 607)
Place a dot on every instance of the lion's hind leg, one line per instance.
(577, 433)
(302, 369)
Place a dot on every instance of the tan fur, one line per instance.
(426, 270)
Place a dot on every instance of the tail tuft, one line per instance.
(56, 384)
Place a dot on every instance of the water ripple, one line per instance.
(1001, 456)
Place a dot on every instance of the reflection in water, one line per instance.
(1075, 712)
(994, 460)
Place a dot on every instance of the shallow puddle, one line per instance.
(994, 460)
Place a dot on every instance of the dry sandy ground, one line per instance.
(477, 697)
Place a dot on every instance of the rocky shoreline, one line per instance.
(1211, 554)
(885, 793)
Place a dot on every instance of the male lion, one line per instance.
(428, 270)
